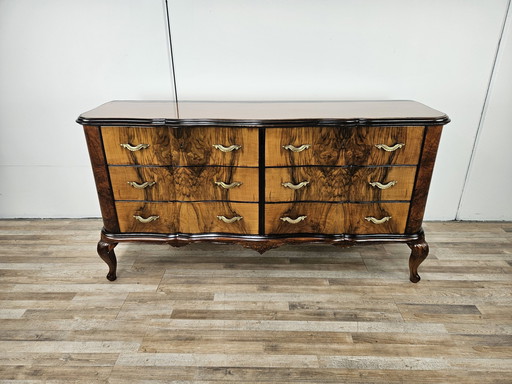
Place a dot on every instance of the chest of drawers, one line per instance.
(263, 174)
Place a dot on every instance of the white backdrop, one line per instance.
(488, 192)
(64, 57)
(59, 58)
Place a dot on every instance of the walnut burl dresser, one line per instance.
(263, 174)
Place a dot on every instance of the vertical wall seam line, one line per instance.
(482, 113)
(171, 56)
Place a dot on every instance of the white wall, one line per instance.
(488, 191)
(64, 57)
(59, 58)
(439, 52)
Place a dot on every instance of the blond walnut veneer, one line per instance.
(181, 146)
(329, 146)
(263, 174)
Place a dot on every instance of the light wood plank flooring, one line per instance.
(218, 313)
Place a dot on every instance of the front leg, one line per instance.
(106, 252)
(419, 252)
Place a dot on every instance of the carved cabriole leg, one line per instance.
(419, 252)
(106, 252)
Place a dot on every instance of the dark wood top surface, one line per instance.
(259, 113)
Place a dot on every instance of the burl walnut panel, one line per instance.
(184, 183)
(101, 177)
(188, 217)
(339, 184)
(181, 146)
(426, 167)
(329, 218)
(355, 218)
(343, 146)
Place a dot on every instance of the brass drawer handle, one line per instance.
(295, 186)
(228, 186)
(147, 220)
(231, 148)
(136, 148)
(293, 221)
(144, 185)
(229, 221)
(390, 149)
(378, 221)
(292, 148)
(383, 186)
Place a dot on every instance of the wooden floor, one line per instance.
(217, 313)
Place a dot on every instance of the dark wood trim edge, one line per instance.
(442, 120)
(262, 181)
(101, 177)
(257, 242)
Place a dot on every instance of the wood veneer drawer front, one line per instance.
(188, 217)
(303, 218)
(193, 146)
(376, 218)
(325, 218)
(137, 145)
(331, 146)
(184, 183)
(339, 184)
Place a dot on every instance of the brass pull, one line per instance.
(146, 184)
(228, 186)
(229, 221)
(293, 221)
(295, 186)
(292, 148)
(390, 149)
(147, 220)
(136, 148)
(231, 148)
(383, 186)
(378, 221)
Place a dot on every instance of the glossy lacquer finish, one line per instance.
(263, 174)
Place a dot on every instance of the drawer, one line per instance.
(376, 218)
(193, 146)
(331, 146)
(325, 218)
(184, 183)
(339, 184)
(188, 217)
(303, 218)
